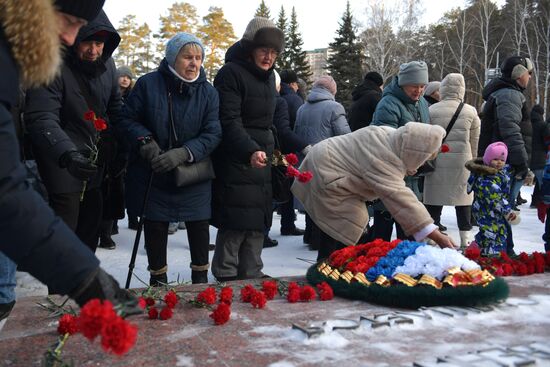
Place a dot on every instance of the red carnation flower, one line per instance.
(293, 295)
(208, 296)
(150, 301)
(226, 295)
(445, 148)
(100, 124)
(67, 325)
(258, 299)
(153, 313)
(247, 292)
(472, 252)
(142, 303)
(305, 177)
(118, 336)
(221, 314)
(166, 313)
(307, 293)
(171, 299)
(292, 172)
(270, 289)
(292, 159)
(93, 316)
(89, 115)
(325, 291)
(293, 286)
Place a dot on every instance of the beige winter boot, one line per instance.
(465, 239)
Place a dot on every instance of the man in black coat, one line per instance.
(70, 154)
(36, 240)
(539, 149)
(289, 91)
(365, 98)
(506, 119)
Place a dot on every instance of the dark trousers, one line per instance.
(288, 215)
(105, 231)
(463, 215)
(84, 218)
(156, 241)
(327, 245)
(383, 226)
(546, 235)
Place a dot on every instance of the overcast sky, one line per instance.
(318, 19)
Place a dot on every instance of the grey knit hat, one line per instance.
(124, 71)
(262, 31)
(85, 9)
(413, 73)
(431, 88)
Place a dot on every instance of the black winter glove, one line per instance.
(149, 150)
(77, 165)
(169, 160)
(520, 171)
(103, 286)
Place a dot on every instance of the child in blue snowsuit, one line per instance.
(490, 183)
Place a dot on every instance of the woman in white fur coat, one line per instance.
(447, 185)
(366, 165)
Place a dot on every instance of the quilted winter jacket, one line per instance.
(447, 185)
(365, 165)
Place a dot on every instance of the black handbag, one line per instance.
(189, 173)
(429, 166)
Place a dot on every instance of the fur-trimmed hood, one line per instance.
(31, 30)
(478, 167)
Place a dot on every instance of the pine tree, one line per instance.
(263, 11)
(344, 64)
(127, 49)
(146, 51)
(182, 17)
(283, 61)
(217, 35)
(296, 56)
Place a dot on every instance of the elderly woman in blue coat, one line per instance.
(171, 118)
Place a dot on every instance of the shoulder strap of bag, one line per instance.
(453, 120)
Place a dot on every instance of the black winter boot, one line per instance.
(198, 277)
(158, 278)
(199, 273)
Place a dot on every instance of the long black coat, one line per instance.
(241, 194)
(365, 98)
(540, 130)
(31, 235)
(54, 114)
(506, 118)
(293, 100)
(289, 141)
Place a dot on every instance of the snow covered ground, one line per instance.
(282, 260)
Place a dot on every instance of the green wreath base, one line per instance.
(399, 295)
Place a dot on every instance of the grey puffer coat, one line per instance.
(447, 185)
(321, 117)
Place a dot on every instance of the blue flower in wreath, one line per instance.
(396, 257)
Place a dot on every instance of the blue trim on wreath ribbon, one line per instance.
(394, 258)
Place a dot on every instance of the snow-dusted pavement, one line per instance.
(283, 260)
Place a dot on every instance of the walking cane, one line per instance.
(139, 229)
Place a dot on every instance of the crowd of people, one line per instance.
(173, 149)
